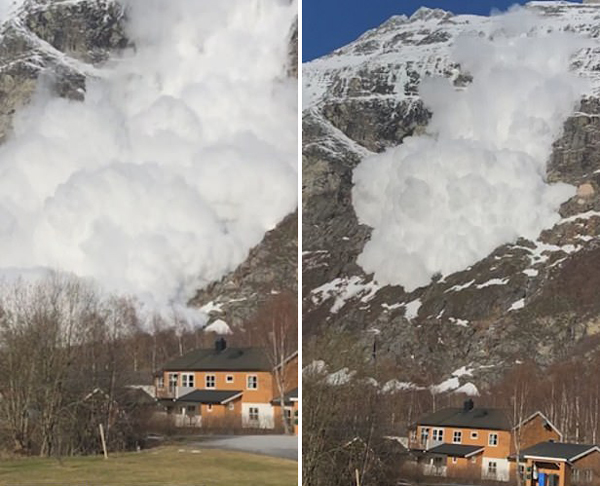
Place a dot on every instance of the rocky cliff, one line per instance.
(537, 299)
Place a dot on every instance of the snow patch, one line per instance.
(412, 309)
(219, 327)
(449, 385)
(340, 377)
(519, 304)
(344, 289)
(468, 389)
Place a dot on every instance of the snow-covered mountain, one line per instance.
(535, 297)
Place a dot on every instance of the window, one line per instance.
(474, 435)
(288, 416)
(522, 471)
(190, 410)
(160, 381)
(492, 468)
(173, 381)
(252, 382)
(231, 406)
(229, 378)
(438, 435)
(187, 380)
(493, 440)
(454, 460)
(457, 437)
(209, 407)
(210, 381)
(474, 459)
(424, 435)
(253, 414)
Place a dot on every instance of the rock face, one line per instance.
(59, 43)
(527, 299)
(59, 40)
(271, 268)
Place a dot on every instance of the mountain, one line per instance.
(536, 298)
(61, 43)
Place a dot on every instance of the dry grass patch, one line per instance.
(164, 466)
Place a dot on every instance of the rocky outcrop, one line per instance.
(270, 268)
(57, 41)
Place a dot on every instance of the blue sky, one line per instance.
(329, 24)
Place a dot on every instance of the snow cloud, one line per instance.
(181, 157)
(442, 201)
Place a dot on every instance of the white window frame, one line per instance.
(474, 435)
(437, 435)
(231, 406)
(474, 459)
(255, 379)
(213, 380)
(209, 407)
(457, 433)
(187, 380)
(495, 441)
(492, 469)
(253, 414)
(229, 379)
(424, 434)
(160, 381)
(454, 460)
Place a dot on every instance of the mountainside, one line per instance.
(529, 299)
(59, 44)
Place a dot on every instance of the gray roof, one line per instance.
(230, 359)
(476, 418)
(558, 450)
(456, 450)
(211, 397)
(288, 397)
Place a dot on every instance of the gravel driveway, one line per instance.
(284, 446)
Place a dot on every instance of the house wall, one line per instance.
(264, 393)
(548, 467)
(464, 468)
(534, 432)
(266, 418)
(500, 451)
(295, 416)
(502, 469)
(587, 470)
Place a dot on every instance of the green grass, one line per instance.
(164, 466)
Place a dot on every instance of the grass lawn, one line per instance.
(163, 466)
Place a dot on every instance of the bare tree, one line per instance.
(275, 328)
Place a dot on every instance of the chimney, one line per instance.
(468, 405)
(220, 345)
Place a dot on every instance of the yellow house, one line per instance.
(220, 386)
(476, 442)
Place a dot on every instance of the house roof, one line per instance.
(289, 397)
(210, 397)
(229, 359)
(476, 418)
(456, 450)
(558, 451)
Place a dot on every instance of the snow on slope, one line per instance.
(181, 157)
